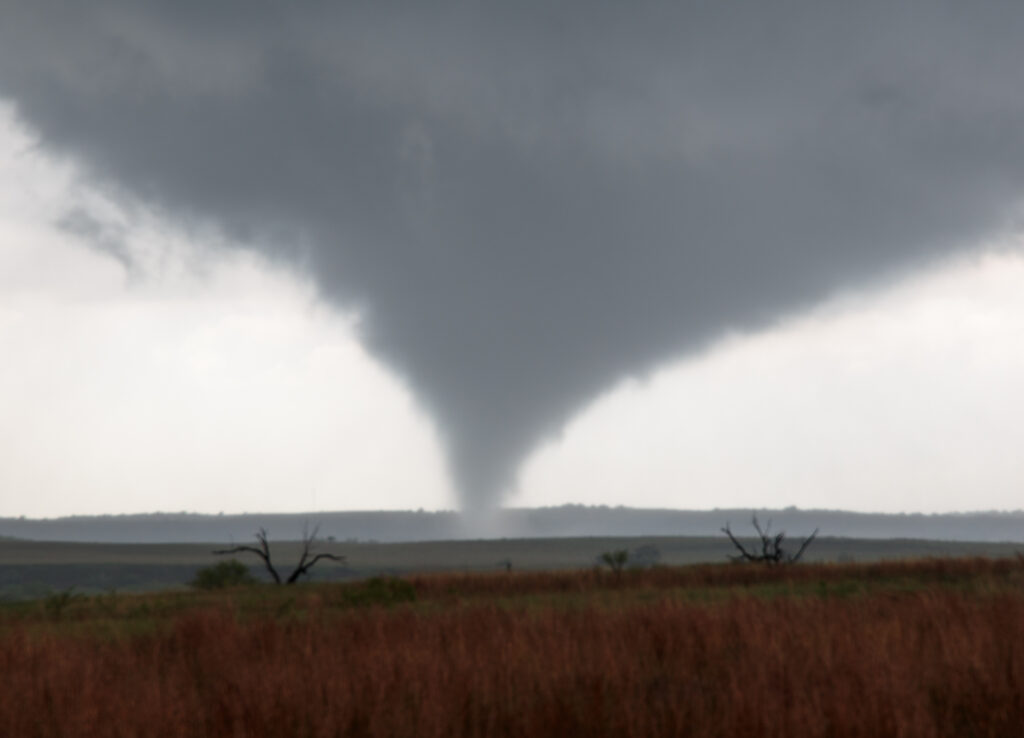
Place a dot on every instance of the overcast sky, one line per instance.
(281, 260)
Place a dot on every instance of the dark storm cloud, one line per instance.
(530, 200)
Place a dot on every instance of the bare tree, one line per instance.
(615, 560)
(308, 558)
(771, 546)
(306, 561)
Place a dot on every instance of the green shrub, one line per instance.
(230, 573)
(614, 560)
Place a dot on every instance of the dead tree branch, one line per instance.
(263, 552)
(306, 561)
(772, 552)
(803, 546)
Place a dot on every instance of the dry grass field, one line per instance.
(925, 648)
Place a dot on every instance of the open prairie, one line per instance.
(36, 568)
(913, 648)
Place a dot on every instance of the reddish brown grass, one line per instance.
(934, 661)
(702, 576)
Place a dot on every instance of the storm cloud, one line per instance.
(528, 201)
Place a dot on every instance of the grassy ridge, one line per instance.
(524, 553)
(32, 569)
(929, 648)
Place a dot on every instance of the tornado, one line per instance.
(526, 202)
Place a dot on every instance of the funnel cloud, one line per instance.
(528, 201)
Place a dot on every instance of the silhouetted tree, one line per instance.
(615, 560)
(306, 561)
(771, 552)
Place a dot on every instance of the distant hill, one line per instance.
(564, 521)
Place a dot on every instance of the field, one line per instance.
(933, 647)
(34, 569)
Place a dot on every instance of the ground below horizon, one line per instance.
(34, 569)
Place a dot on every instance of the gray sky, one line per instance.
(525, 206)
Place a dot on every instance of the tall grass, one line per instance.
(919, 572)
(932, 660)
